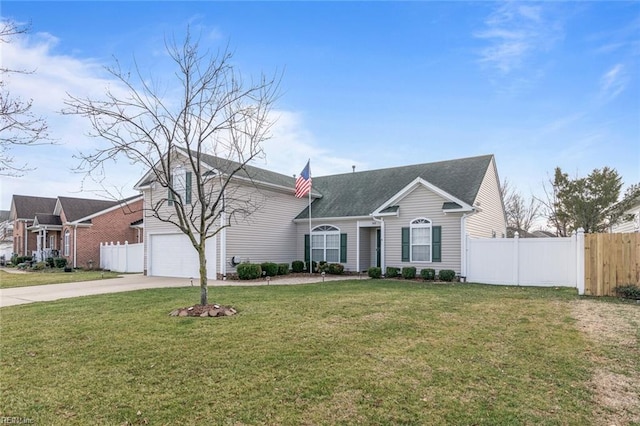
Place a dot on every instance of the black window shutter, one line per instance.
(306, 248)
(405, 245)
(436, 244)
(187, 195)
(170, 196)
(343, 248)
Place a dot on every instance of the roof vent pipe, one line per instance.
(354, 168)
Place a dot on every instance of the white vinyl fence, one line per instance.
(122, 257)
(527, 261)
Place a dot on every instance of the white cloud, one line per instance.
(613, 82)
(293, 144)
(57, 75)
(515, 32)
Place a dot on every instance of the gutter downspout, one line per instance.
(75, 245)
(26, 246)
(382, 243)
(223, 246)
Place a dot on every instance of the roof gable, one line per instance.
(78, 208)
(361, 193)
(27, 206)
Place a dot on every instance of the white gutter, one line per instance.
(75, 245)
(223, 246)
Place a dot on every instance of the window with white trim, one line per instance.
(67, 239)
(420, 240)
(325, 244)
(181, 183)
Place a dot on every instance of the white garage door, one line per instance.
(172, 255)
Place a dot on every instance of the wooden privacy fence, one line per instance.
(611, 260)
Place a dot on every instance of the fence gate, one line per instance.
(611, 260)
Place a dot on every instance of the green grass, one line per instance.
(9, 280)
(367, 352)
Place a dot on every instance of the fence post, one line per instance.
(580, 261)
(126, 256)
(516, 258)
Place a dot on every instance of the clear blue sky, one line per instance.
(371, 84)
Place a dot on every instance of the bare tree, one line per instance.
(216, 118)
(520, 214)
(18, 124)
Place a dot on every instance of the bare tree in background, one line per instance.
(217, 117)
(521, 215)
(18, 124)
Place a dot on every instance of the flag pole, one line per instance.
(310, 236)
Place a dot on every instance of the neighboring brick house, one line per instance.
(74, 228)
(24, 209)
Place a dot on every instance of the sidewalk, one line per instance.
(44, 293)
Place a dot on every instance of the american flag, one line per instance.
(303, 182)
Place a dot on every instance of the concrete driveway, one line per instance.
(44, 293)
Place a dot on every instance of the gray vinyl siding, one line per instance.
(422, 202)
(269, 234)
(346, 226)
(628, 226)
(491, 216)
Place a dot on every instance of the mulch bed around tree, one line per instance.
(204, 311)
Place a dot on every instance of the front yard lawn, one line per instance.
(31, 278)
(353, 352)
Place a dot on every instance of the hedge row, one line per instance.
(409, 272)
(252, 271)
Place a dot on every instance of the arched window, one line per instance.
(325, 244)
(67, 238)
(421, 240)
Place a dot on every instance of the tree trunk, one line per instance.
(204, 296)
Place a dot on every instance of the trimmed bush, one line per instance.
(446, 275)
(323, 267)
(297, 266)
(49, 261)
(428, 274)
(39, 266)
(392, 272)
(629, 291)
(336, 269)
(269, 268)
(16, 260)
(315, 266)
(283, 268)
(409, 272)
(249, 271)
(59, 262)
(375, 272)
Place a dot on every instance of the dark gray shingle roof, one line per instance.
(48, 219)
(27, 206)
(77, 208)
(360, 193)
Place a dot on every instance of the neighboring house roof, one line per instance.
(361, 193)
(27, 206)
(4, 215)
(543, 234)
(78, 208)
(47, 219)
